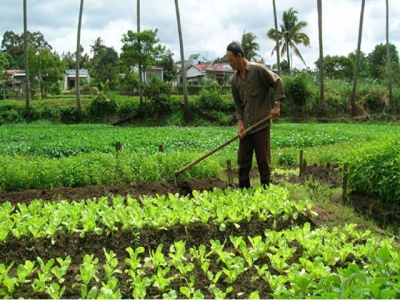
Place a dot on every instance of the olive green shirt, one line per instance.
(252, 95)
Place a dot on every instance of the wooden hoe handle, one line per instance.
(249, 129)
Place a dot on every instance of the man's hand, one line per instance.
(276, 111)
(241, 129)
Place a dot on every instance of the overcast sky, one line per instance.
(207, 25)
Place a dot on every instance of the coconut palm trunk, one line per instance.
(388, 58)
(26, 60)
(140, 61)
(187, 114)
(278, 60)
(321, 60)
(357, 67)
(77, 67)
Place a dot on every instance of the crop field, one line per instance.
(218, 243)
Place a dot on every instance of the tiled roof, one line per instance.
(204, 67)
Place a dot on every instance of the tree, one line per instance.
(98, 48)
(249, 45)
(167, 63)
(278, 60)
(142, 54)
(353, 94)
(26, 61)
(377, 59)
(13, 44)
(337, 67)
(187, 113)
(106, 68)
(4, 63)
(388, 55)
(140, 49)
(290, 35)
(69, 59)
(77, 66)
(363, 71)
(46, 68)
(321, 57)
(220, 60)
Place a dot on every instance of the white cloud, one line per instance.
(207, 25)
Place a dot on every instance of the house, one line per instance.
(150, 71)
(16, 79)
(70, 76)
(196, 59)
(158, 71)
(195, 73)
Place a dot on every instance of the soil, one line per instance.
(20, 250)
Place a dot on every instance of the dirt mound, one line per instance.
(183, 187)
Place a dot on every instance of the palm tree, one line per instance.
(139, 62)
(98, 47)
(26, 59)
(388, 58)
(321, 58)
(187, 114)
(357, 67)
(278, 59)
(249, 45)
(290, 35)
(77, 83)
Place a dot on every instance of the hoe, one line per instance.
(249, 129)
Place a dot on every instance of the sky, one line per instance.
(208, 26)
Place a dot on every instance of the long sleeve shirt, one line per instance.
(252, 94)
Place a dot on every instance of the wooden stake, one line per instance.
(344, 186)
(160, 148)
(229, 170)
(118, 147)
(301, 163)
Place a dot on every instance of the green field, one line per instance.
(232, 243)
(43, 155)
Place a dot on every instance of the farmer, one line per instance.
(250, 89)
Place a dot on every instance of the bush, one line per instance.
(128, 106)
(297, 90)
(103, 105)
(374, 170)
(159, 92)
(210, 98)
(286, 159)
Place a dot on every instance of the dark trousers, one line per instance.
(258, 142)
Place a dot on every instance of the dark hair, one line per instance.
(235, 48)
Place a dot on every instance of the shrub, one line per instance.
(374, 170)
(159, 92)
(210, 98)
(286, 159)
(297, 89)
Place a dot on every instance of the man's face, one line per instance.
(233, 60)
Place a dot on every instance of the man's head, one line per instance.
(235, 55)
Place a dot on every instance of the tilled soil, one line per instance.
(20, 250)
